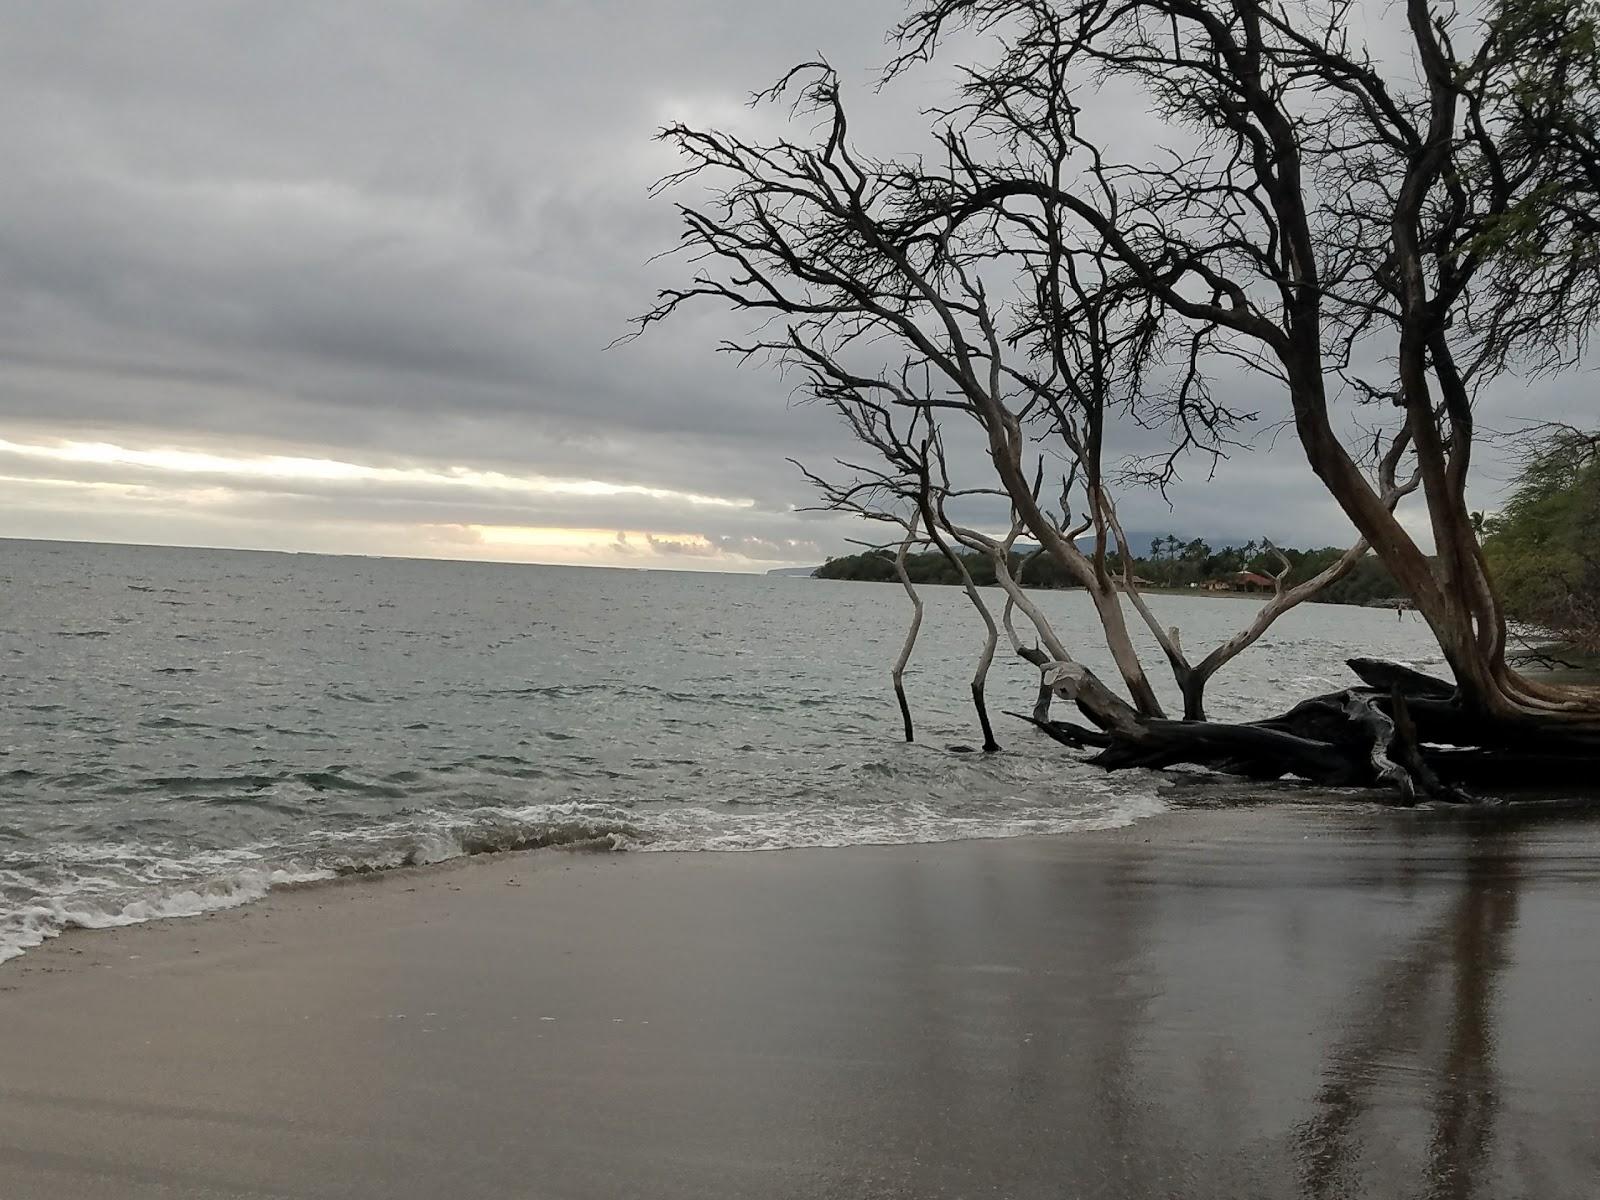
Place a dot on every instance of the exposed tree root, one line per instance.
(1387, 676)
(1403, 733)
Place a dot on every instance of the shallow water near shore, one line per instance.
(180, 730)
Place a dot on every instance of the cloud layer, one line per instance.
(341, 277)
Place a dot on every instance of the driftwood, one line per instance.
(1376, 673)
(1400, 731)
(1065, 732)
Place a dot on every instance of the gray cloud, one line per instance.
(401, 234)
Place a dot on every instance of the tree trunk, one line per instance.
(991, 631)
(1460, 608)
(990, 746)
(1004, 450)
(899, 672)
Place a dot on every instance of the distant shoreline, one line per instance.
(1193, 593)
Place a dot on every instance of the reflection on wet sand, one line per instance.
(1318, 1016)
(1393, 1039)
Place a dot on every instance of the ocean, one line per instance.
(181, 730)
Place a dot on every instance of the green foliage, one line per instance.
(1543, 548)
(1368, 581)
(877, 566)
(1537, 301)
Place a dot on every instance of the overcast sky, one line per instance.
(339, 277)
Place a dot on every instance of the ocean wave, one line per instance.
(767, 830)
(37, 922)
(75, 903)
(332, 780)
(441, 845)
(86, 896)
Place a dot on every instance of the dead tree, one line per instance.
(846, 251)
(980, 676)
(1319, 209)
(1311, 213)
(904, 482)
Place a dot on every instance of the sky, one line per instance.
(342, 278)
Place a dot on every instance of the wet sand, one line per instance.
(1241, 1003)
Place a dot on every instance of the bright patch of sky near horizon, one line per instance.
(341, 278)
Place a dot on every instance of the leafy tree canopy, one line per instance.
(1543, 547)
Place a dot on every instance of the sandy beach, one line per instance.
(1306, 1001)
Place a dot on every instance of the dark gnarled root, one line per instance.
(1367, 736)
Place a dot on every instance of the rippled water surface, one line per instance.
(182, 728)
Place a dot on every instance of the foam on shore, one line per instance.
(208, 882)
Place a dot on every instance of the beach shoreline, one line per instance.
(1305, 999)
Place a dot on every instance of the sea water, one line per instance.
(180, 730)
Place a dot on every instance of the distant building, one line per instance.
(1250, 581)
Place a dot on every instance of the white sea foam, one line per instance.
(1095, 804)
(90, 901)
(36, 923)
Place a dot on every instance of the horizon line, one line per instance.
(487, 562)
